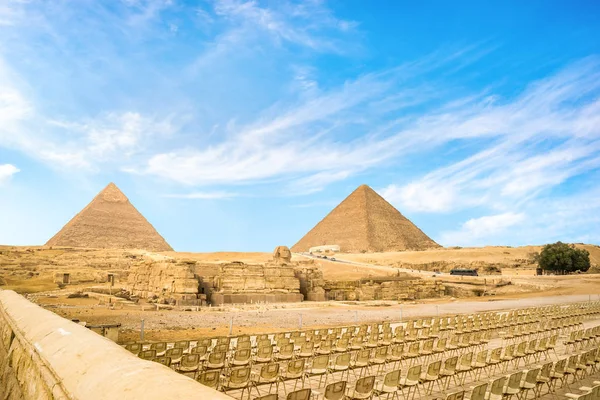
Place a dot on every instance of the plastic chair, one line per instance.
(361, 360)
(147, 354)
(164, 360)
(210, 378)
(189, 363)
(201, 351)
(448, 371)
(479, 392)
(557, 374)
(160, 348)
(363, 389)
(302, 394)
(269, 375)
(513, 385)
(238, 378)
(335, 391)
(241, 357)
(285, 353)
(264, 355)
(215, 360)
(395, 354)
(431, 375)
(341, 364)
(319, 367)
(294, 371)
(529, 381)
(496, 391)
(379, 358)
(176, 353)
(389, 385)
(411, 380)
(134, 348)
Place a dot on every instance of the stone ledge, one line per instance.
(44, 356)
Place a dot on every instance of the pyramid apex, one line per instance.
(113, 194)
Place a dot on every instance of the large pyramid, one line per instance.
(110, 221)
(364, 221)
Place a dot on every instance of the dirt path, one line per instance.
(165, 325)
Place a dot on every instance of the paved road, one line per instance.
(375, 266)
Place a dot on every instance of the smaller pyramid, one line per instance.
(110, 221)
(365, 221)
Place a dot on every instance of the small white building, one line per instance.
(334, 248)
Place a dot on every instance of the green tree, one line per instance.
(562, 258)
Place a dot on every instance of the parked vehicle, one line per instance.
(464, 272)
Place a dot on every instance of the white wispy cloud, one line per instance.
(309, 142)
(303, 23)
(542, 138)
(7, 171)
(478, 231)
(203, 195)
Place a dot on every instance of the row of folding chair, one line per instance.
(415, 329)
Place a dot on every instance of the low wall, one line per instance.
(44, 356)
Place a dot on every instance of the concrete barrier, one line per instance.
(44, 356)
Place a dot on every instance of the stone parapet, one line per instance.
(44, 356)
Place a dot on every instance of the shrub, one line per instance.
(562, 258)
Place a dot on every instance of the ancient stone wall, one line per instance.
(165, 281)
(44, 356)
(383, 289)
(237, 282)
(311, 283)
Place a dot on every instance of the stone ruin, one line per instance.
(383, 288)
(282, 255)
(195, 283)
(166, 282)
(188, 282)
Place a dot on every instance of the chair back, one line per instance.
(302, 394)
(498, 386)
(478, 392)
(269, 372)
(200, 350)
(482, 356)
(335, 391)
(342, 360)
(450, 365)
(182, 344)
(392, 379)
(514, 380)
(365, 385)
(413, 374)
(239, 375)
(296, 367)
(148, 354)
(190, 360)
(456, 395)
(321, 362)
(164, 360)
(209, 378)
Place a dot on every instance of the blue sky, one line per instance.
(238, 125)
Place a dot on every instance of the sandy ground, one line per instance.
(488, 254)
(173, 324)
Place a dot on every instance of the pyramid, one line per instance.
(110, 221)
(365, 221)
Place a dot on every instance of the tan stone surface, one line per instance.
(365, 221)
(164, 280)
(282, 255)
(43, 356)
(110, 221)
